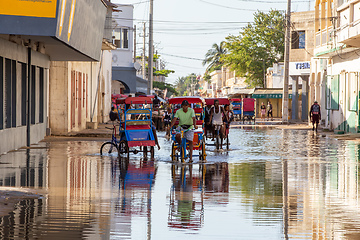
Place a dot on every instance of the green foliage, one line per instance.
(162, 72)
(214, 57)
(183, 84)
(163, 86)
(257, 47)
(207, 77)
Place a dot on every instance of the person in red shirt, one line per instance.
(315, 115)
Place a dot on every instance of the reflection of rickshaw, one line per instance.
(236, 107)
(136, 128)
(136, 182)
(187, 197)
(216, 129)
(179, 150)
(248, 105)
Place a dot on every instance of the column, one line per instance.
(295, 98)
(304, 98)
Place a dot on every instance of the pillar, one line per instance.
(295, 98)
(304, 98)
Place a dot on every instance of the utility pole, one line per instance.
(143, 53)
(134, 43)
(151, 49)
(285, 99)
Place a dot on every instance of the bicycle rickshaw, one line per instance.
(218, 136)
(135, 129)
(248, 111)
(236, 103)
(180, 150)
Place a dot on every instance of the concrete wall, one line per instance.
(15, 136)
(70, 110)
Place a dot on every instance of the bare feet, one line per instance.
(158, 147)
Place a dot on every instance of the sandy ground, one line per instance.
(9, 197)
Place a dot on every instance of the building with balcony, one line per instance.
(336, 64)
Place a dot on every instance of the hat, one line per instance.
(185, 102)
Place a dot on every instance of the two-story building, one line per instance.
(336, 64)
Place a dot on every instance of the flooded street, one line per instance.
(272, 184)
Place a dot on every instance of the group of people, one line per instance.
(266, 109)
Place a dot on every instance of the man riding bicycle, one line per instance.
(216, 118)
(186, 116)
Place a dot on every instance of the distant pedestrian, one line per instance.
(269, 111)
(113, 115)
(263, 110)
(156, 102)
(315, 115)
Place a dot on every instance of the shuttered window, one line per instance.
(41, 95)
(7, 100)
(332, 93)
(23, 93)
(1, 93)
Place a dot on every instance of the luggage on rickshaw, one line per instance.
(236, 107)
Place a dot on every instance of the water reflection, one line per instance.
(274, 184)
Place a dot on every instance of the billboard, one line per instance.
(29, 8)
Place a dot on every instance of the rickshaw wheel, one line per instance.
(108, 148)
(152, 151)
(173, 153)
(123, 147)
(227, 142)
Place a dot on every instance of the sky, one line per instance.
(184, 30)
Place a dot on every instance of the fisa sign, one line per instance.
(299, 68)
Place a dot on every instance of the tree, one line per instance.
(257, 47)
(164, 86)
(183, 84)
(213, 57)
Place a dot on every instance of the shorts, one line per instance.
(315, 118)
(166, 123)
(189, 135)
(263, 112)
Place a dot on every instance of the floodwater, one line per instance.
(272, 184)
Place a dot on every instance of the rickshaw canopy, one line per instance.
(134, 100)
(235, 100)
(178, 100)
(222, 101)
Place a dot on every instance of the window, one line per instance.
(23, 93)
(121, 37)
(352, 89)
(41, 97)
(1, 93)
(332, 92)
(7, 102)
(32, 94)
(298, 40)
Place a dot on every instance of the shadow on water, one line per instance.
(273, 184)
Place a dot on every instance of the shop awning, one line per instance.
(271, 93)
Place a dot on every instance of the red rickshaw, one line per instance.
(198, 142)
(216, 129)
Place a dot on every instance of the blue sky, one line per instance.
(184, 30)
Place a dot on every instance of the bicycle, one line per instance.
(218, 136)
(110, 146)
(181, 147)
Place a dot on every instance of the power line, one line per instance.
(181, 57)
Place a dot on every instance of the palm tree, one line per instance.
(213, 56)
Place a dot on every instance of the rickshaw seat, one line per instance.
(198, 122)
(138, 111)
(138, 127)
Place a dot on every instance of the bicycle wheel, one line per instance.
(123, 147)
(109, 148)
(217, 141)
(227, 142)
(173, 152)
(182, 154)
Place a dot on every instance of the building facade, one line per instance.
(30, 39)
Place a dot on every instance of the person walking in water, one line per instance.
(315, 115)
(269, 111)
